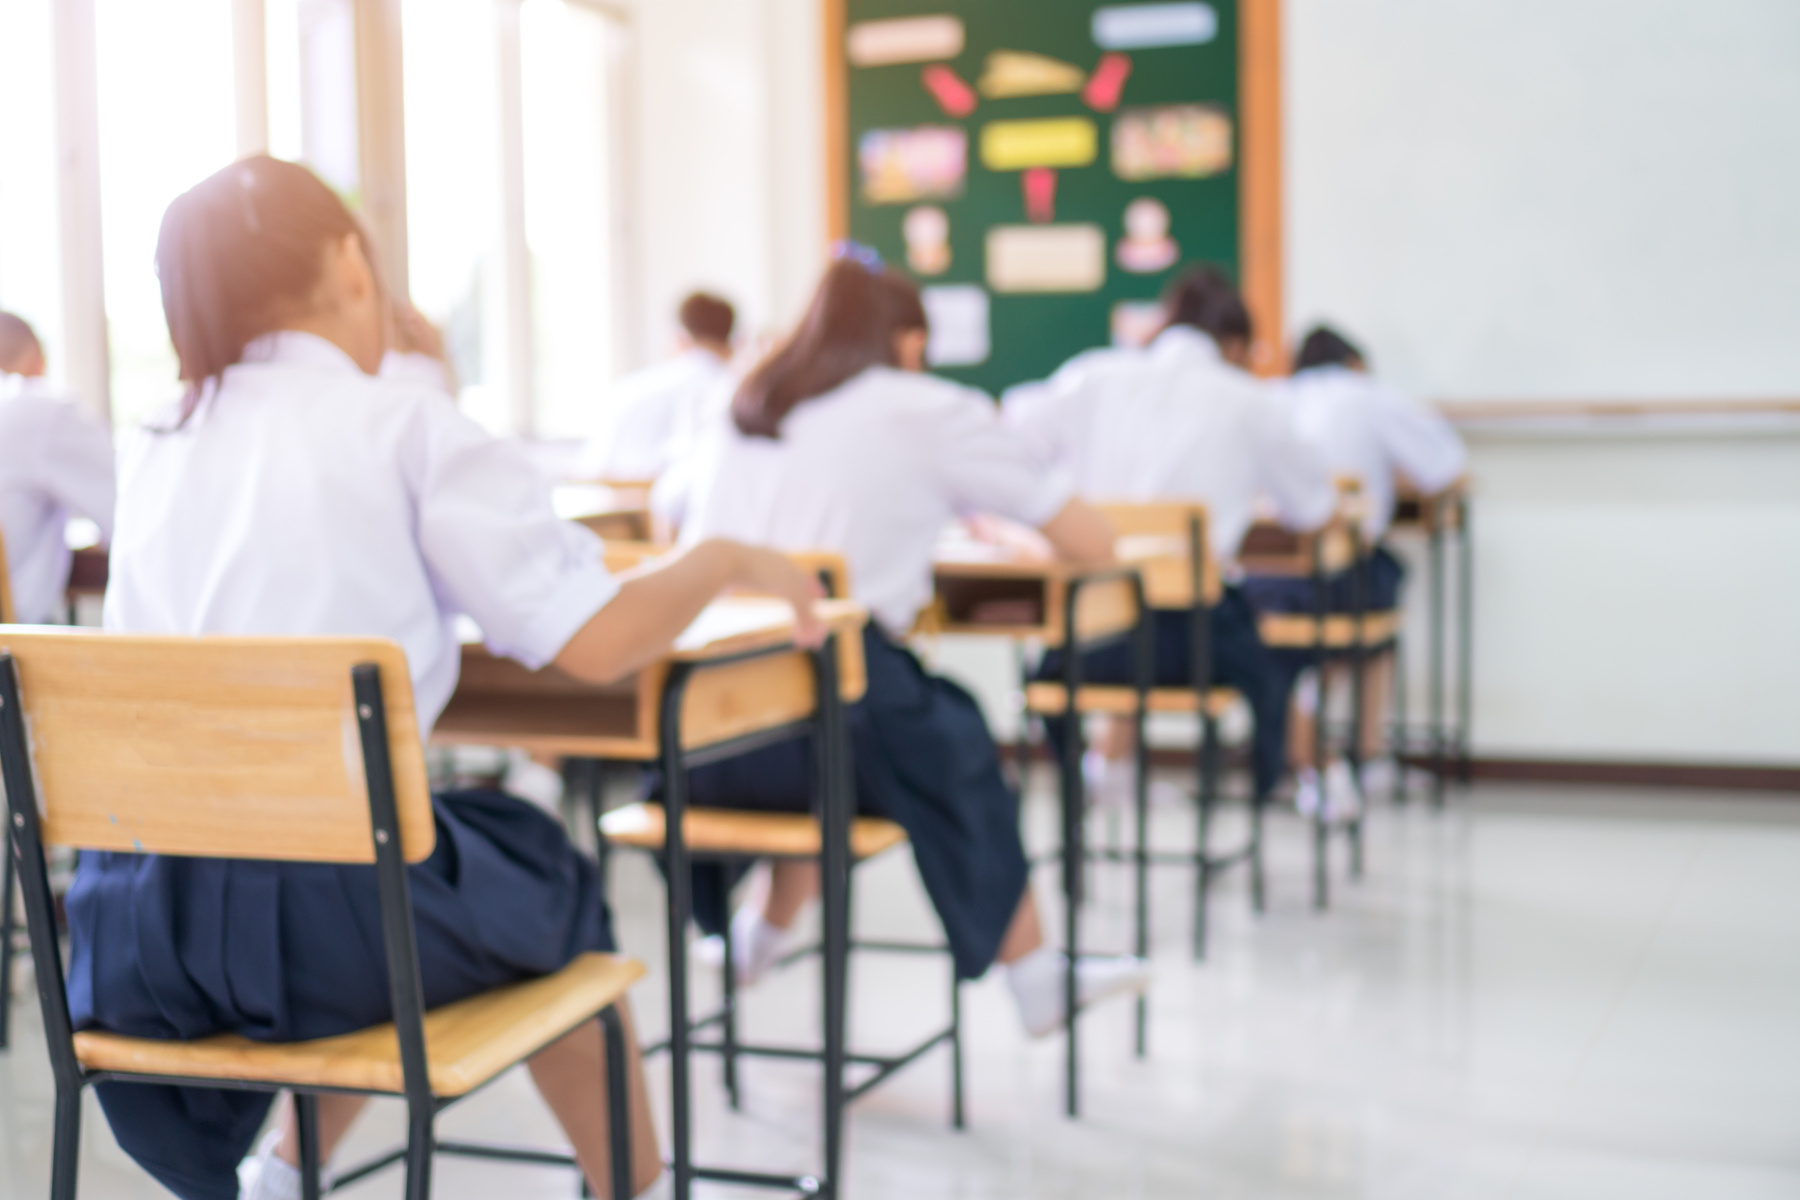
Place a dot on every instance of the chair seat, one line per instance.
(1046, 699)
(752, 834)
(1299, 631)
(468, 1042)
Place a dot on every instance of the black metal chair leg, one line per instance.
(420, 1141)
(956, 1052)
(837, 791)
(1438, 763)
(1258, 881)
(306, 1125)
(6, 940)
(1209, 791)
(65, 1157)
(1321, 859)
(618, 1102)
(1072, 865)
(728, 1025)
(1397, 743)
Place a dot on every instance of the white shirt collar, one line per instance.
(1185, 340)
(293, 346)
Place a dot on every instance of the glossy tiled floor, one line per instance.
(1540, 993)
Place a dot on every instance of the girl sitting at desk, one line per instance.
(840, 442)
(292, 492)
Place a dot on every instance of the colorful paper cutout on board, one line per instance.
(957, 315)
(1010, 73)
(926, 230)
(1152, 26)
(904, 40)
(928, 162)
(1136, 322)
(1176, 141)
(1046, 258)
(1107, 84)
(1146, 247)
(1051, 142)
(1039, 186)
(949, 89)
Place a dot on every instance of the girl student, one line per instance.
(1182, 419)
(290, 493)
(839, 442)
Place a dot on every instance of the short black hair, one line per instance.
(17, 339)
(1326, 347)
(707, 318)
(1206, 298)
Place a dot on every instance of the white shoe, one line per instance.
(1343, 798)
(1037, 985)
(264, 1176)
(1109, 784)
(1306, 792)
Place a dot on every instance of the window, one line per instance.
(167, 108)
(30, 264)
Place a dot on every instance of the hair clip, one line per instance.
(867, 257)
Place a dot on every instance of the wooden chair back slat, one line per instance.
(7, 616)
(1157, 538)
(217, 747)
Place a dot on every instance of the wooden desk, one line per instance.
(1434, 515)
(1029, 600)
(615, 513)
(499, 702)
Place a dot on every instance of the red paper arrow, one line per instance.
(954, 96)
(1040, 194)
(1107, 83)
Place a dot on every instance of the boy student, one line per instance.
(653, 416)
(1182, 419)
(55, 462)
(1363, 430)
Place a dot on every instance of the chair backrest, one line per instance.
(1162, 539)
(216, 747)
(6, 602)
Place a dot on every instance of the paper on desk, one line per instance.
(724, 619)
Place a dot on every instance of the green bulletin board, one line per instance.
(1064, 114)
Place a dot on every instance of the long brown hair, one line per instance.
(849, 327)
(236, 254)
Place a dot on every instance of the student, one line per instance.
(292, 493)
(1365, 431)
(653, 415)
(55, 462)
(839, 442)
(1181, 419)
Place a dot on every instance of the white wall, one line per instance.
(1558, 199)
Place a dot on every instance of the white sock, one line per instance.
(267, 1176)
(755, 944)
(1036, 981)
(1308, 796)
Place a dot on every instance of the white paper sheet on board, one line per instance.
(1149, 26)
(1046, 258)
(905, 40)
(958, 314)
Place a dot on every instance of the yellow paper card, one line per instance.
(1020, 73)
(1053, 142)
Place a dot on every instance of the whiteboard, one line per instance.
(1550, 199)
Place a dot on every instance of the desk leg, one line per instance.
(1465, 628)
(1073, 860)
(675, 858)
(1397, 739)
(1437, 656)
(834, 783)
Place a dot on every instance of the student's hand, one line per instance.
(775, 574)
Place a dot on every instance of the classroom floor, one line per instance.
(1540, 992)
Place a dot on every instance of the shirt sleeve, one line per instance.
(1420, 442)
(988, 466)
(1288, 471)
(493, 542)
(77, 464)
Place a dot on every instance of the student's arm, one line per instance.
(655, 603)
(1420, 442)
(77, 464)
(1080, 533)
(1288, 471)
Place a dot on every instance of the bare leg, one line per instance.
(792, 883)
(336, 1114)
(571, 1074)
(1378, 685)
(1025, 933)
(1117, 739)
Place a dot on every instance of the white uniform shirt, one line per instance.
(410, 366)
(1360, 427)
(55, 462)
(1175, 421)
(649, 413)
(305, 497)
(874, 470)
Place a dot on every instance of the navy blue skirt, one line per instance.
(165, 947)
(924, 759)
(1291, 594)
(1239, 661)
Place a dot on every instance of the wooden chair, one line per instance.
(1354, 637)
(738, 835)
(1167, 542)
(166, 745)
